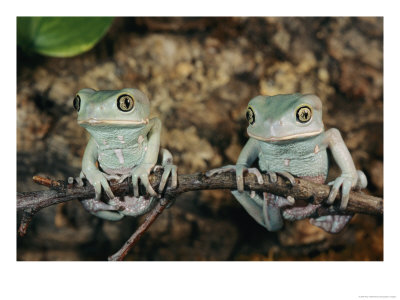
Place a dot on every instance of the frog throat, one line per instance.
(284, 138)
(93, 121)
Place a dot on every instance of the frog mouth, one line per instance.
(285, 138)
(94, 121)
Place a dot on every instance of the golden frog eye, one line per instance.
(125, 103)
(303, 114)
(250, 116)
(77, 103)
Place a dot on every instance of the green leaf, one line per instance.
(60, 36)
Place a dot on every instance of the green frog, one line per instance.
(288, 138)
(124, 142)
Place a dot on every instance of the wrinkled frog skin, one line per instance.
(287, 136)
(123, 142)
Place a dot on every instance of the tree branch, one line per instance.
(31, 202)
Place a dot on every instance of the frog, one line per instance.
(287, 136)
(124, 142)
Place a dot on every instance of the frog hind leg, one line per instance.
(332, 223)
(102, 210)
(272, 212)
(267, 215)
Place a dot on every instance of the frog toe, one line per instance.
(272, 176)
(362, 180)
(288, 176)
(228, 168)
(94, 206)
(79, 181)
(346, 187)
(334, 191)
(174, 176)
(123, 177)
(146, 183)
(169, 170)
(109, 215)
(256, 172)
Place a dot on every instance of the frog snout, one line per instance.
(274, 129)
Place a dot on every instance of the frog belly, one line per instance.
(120, 160)
(305, 157)
(311, 165)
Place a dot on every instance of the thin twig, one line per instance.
(135, 237)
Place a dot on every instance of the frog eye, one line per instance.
(250, 116)
(77, 102)
(303, 114)
(125, 103)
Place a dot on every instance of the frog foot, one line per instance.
(346, 183)
(141, 173)
(99, 181)
(297, 213)
(135, 206)
(94, 206)
(286, 175)
(169, 170)
(239, 169)
(331, 223)
(78, 180)
(224, 169)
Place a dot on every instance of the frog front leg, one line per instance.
(99, 181)
(264, 209)
(141, 172)
(350, 177)
(169, 170)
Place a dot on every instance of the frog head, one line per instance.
(126, 107)
(284, 117)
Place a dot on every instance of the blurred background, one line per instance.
(199, 74)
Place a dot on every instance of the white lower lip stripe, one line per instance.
(284, 138)
(117, 122)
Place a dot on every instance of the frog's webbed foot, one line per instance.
(169, 170)
(331, 223)
(347, 182)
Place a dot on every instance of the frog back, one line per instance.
(300, 157)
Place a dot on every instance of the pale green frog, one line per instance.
(287, 136)
(124, 142)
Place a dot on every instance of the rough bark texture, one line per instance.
(199, 74)
(31, 202)
(303, 190)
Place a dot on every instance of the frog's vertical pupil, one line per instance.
(125, 103)
(77, 103)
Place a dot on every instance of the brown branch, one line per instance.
(31, 202)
